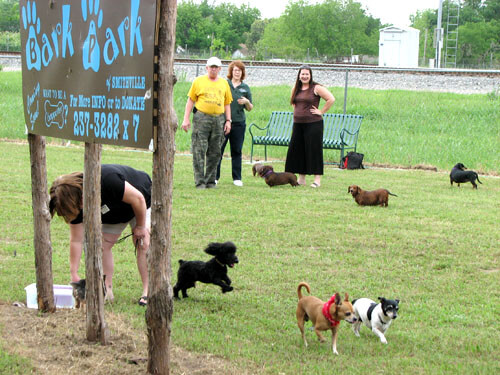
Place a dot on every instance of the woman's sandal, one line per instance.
(314, 185)
(143, 301)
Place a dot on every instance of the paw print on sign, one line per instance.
(91, 50)
(32, 23)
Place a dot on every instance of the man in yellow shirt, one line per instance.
(210, 96)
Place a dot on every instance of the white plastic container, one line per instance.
(63, 296)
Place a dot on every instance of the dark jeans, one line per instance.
(235, 137)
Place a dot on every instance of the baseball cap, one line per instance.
(214, 61)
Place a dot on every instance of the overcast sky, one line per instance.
(395, 12)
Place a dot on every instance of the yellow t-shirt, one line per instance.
(210, 97)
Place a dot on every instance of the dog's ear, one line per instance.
(349, 189)
(397, 300)
(338, 301)
(228, 247)
(381, 299)
(264, 170)
(346, 298)
(213, 248)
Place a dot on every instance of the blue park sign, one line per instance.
(88, 69)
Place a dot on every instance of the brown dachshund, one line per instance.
(370, 198)
(323, 315)
(273, 178)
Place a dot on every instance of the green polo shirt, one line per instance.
(238, 110)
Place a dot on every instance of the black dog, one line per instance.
(459, 175)
(212, 272)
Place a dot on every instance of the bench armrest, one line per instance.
(258, 127)
(344, 130)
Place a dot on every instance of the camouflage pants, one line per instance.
(206, 141)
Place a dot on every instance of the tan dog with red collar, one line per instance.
(323, 315)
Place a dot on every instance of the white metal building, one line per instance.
(398, 47)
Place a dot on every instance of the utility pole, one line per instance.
(438, 36)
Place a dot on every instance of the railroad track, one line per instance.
(336, 66)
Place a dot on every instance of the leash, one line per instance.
(124, 238)
(136, 243)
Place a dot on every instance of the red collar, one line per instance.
(326, 311)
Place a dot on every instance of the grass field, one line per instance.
(435, 248)
(399, 127)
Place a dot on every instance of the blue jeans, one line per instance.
(235, 138)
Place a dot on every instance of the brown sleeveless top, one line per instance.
(304, 101)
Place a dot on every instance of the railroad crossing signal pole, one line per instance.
(438, 36)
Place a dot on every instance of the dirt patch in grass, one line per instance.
(56, 344)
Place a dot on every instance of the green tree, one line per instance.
(255, 34)
(491, 10)
(330, 28)
(479, 41)
(425, 21)
(478, 32)
(9, 15)
(198, 25)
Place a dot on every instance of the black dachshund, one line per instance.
(212, 272)
(459, 175)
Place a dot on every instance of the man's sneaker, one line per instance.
(238, 182)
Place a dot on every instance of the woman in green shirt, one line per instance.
(242, 100)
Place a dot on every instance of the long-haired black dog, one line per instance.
(212, 272)
(459, 175)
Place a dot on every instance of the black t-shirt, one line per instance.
(113, 177)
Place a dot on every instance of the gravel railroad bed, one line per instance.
(267, 76)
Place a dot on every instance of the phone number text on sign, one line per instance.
(105, 125)
(110, 118)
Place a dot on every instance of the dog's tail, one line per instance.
(477, 176)
(299, 288)
(394, 195)
(181, 261)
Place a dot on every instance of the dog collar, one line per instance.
(218, 261)
(268, 173)
(326, 311)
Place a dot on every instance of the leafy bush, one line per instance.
(10, 41)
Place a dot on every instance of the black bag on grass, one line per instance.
(353, 160)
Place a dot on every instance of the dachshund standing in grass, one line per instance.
(273, 178)
(379, 197)
(459, 175)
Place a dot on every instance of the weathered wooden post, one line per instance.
(96, 326)
(41, 223)
(160, 304)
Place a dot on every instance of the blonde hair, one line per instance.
(66, 196)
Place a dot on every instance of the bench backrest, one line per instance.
(337, 123)
(281, 123)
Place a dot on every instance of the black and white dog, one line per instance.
(376, 316)
(459, 175)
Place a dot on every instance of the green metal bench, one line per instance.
(340, 132)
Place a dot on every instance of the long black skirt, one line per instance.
(305, 152)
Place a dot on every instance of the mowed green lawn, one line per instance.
(435, 247)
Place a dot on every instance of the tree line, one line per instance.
(324, 31)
